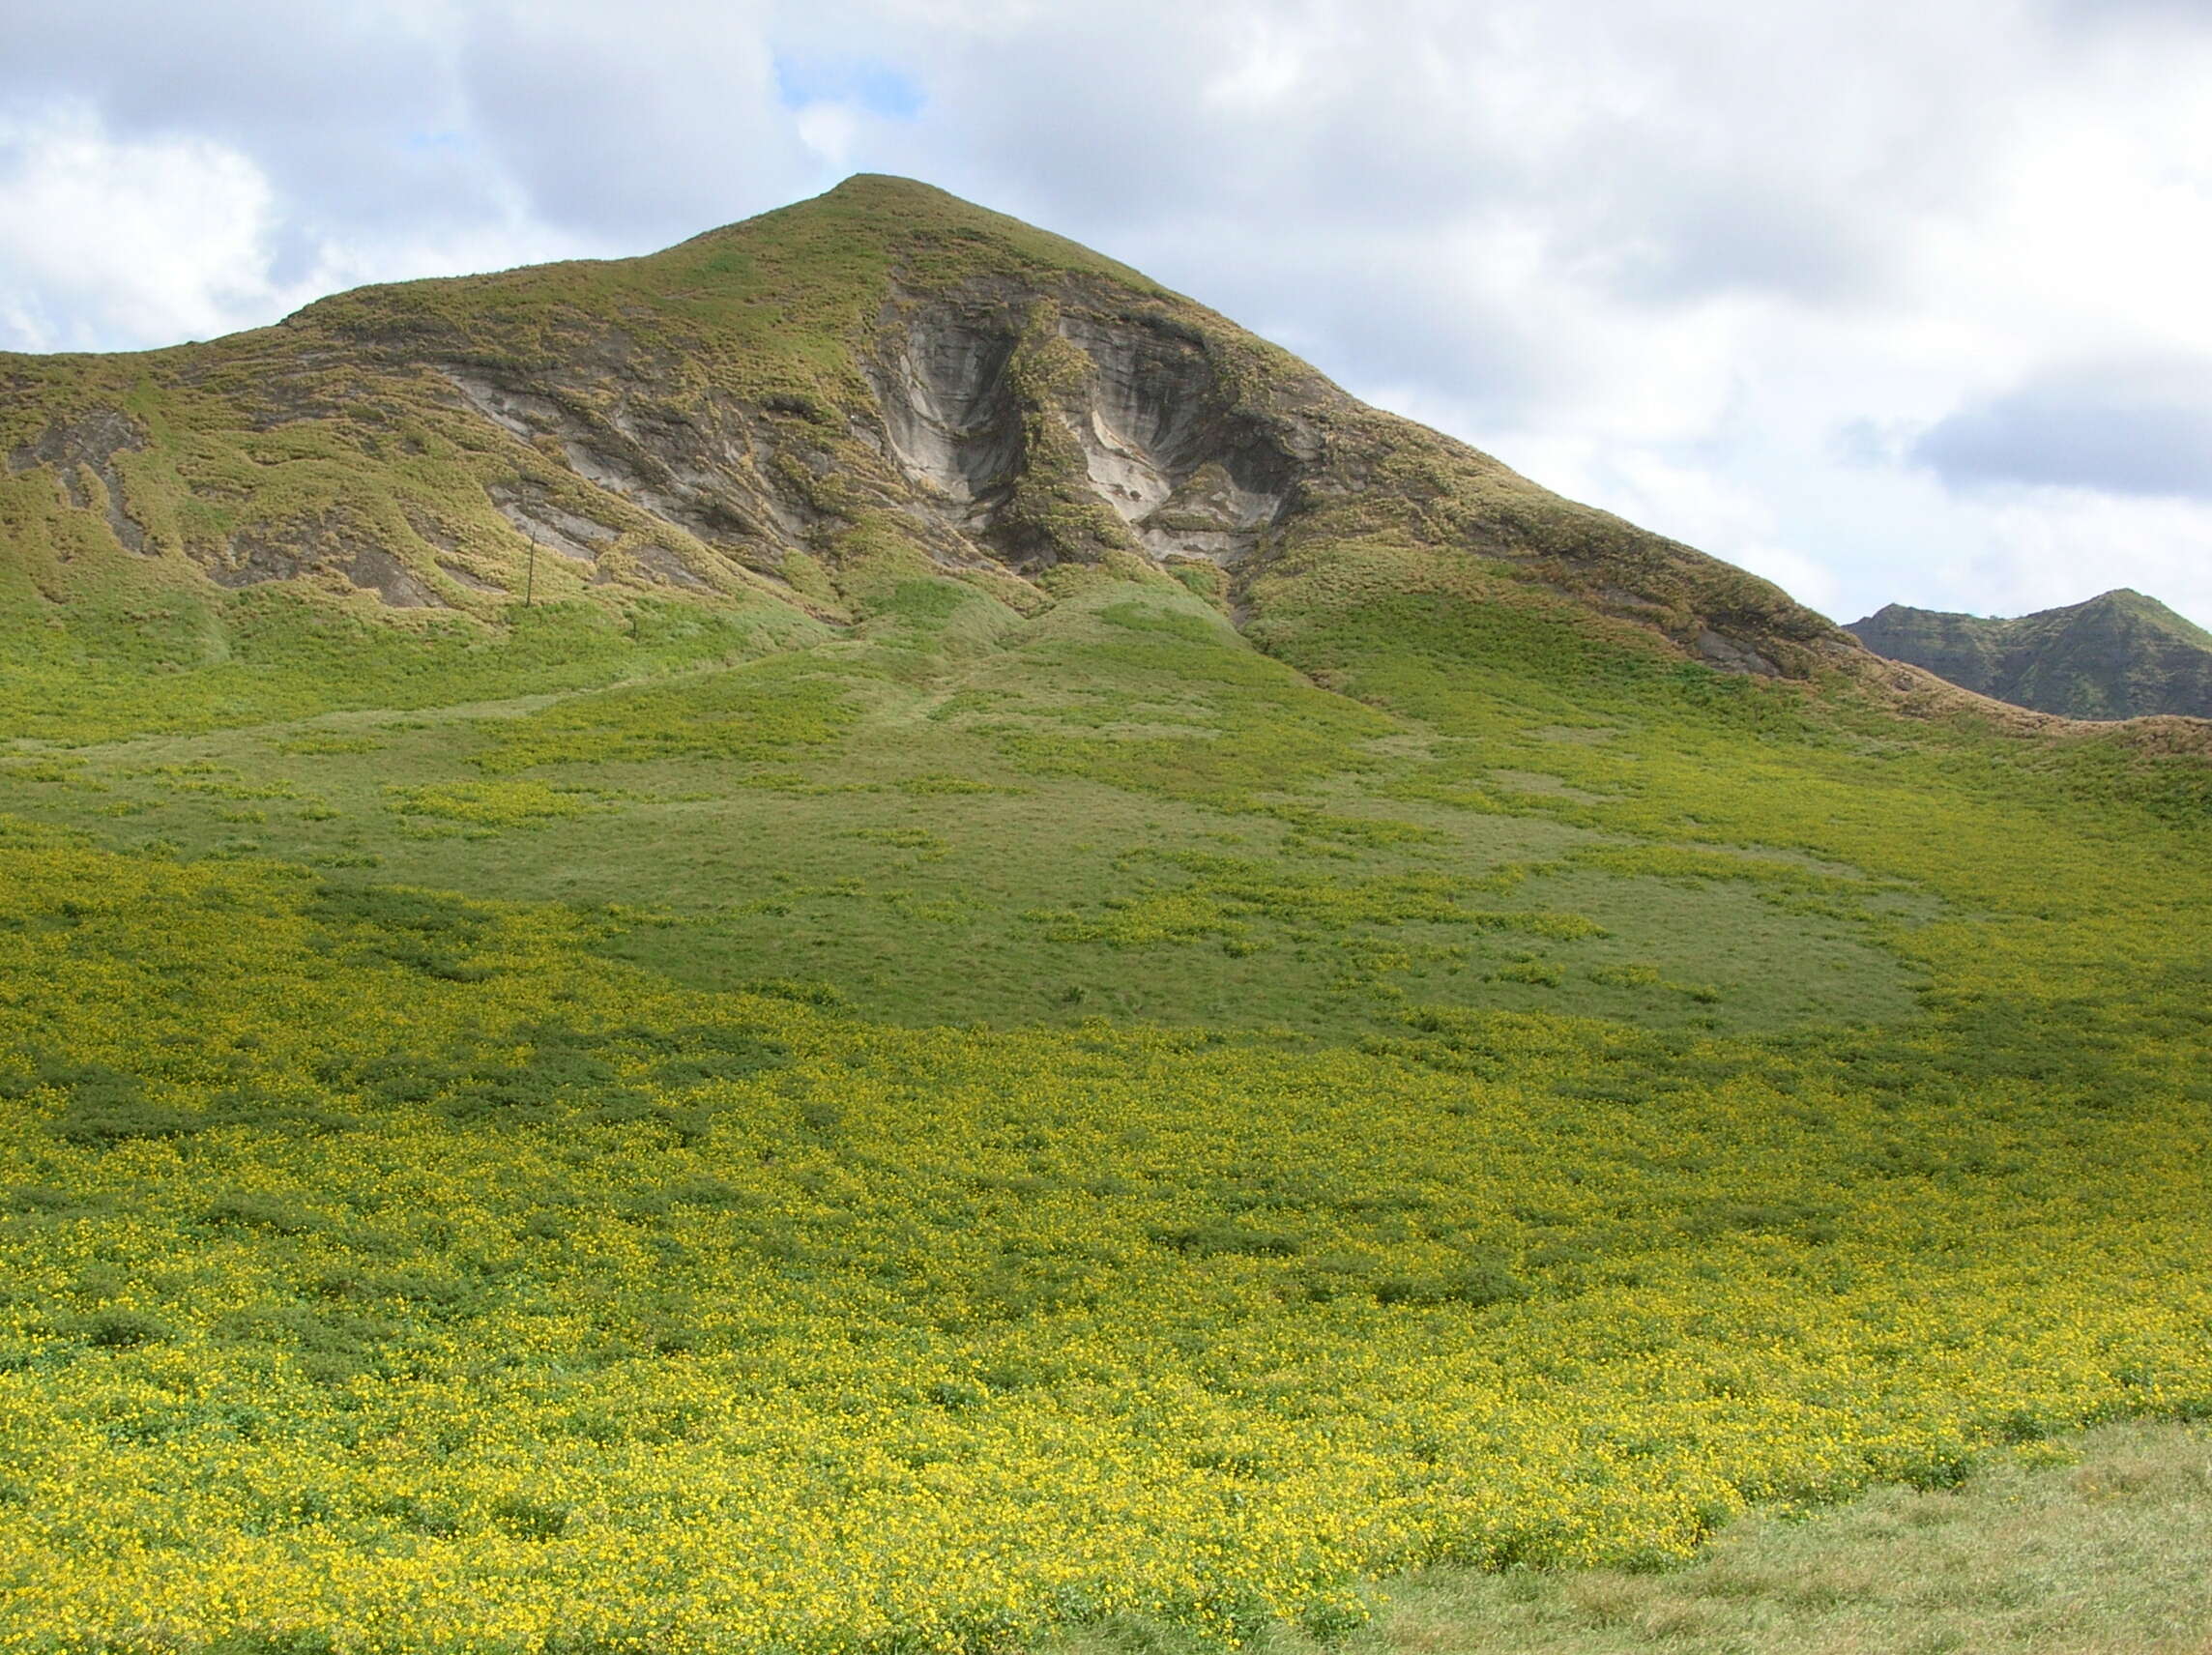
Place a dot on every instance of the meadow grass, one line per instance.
(2100, 1545)
(853, 814)
(991, 1123)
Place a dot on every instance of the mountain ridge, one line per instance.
(2117, 655)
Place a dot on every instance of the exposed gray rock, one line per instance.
(948, 411)
(298, 547)
(373, 568)
(1161, 440)
(1733, 657)
(90, 441)
(552, 525)
(699, 476)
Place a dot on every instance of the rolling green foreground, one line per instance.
(996, 1106)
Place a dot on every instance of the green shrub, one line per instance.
(120, 1330)
(1215, 1238)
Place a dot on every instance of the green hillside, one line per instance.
(1056, 983)
(703, 453)
(2118, 655)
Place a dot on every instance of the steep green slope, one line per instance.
(1013, 1064)
(2118, 655)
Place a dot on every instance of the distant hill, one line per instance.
(2118, 655)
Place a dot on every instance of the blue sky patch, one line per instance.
(876, 87)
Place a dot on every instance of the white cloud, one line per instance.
(2046, 547)
(116, 242)
(150, 241)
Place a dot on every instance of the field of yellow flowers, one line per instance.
(388, 1271)
(535, 1177)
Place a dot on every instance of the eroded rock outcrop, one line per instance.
(88, 444)
(988, 396)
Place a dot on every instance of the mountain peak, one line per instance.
(893, 188)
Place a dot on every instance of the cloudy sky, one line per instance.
(1888, 300)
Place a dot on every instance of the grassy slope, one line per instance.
(2096, 1546)
(995, 1119)
(892, 804)
(1678, 1257)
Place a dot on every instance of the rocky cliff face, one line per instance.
(2118, 655)
(1015, 416)
(757, 413)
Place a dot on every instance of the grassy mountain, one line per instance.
(719, 447)
(1055, 981)
(2118, 655)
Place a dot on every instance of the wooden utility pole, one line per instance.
(530, 571)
